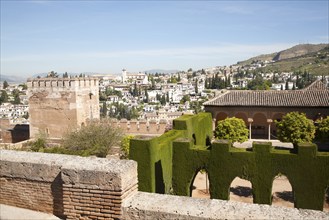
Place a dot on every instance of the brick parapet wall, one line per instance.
(69, 187)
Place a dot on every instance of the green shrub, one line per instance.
(322, 130)
(233, 129)
(96, 138)
(125, 146)
(38, 145)
(295, 128)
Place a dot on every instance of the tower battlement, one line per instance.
(81, 82)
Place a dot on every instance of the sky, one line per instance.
(106, 36)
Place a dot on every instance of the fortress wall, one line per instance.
(69, 187)
(141, 127)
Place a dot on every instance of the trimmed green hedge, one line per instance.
(169, 164)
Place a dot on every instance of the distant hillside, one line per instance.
(316, 63)
(311, 57)
(298, 50)
(12, 79)
(295, 51)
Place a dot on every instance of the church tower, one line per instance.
(124, 75)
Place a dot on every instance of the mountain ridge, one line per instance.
(293, 52)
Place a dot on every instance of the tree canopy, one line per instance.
(322, 130)
(259, 84)
(295, 128)
(233, 129)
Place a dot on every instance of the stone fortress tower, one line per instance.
(58, 105)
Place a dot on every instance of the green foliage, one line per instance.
(259, 84)
(322, 130)
(154, 155)
(125, 145)
(233, 129)
(120, 110)
(295, 128)
(96, 138)
(169, 164)
(24, 86)
(39, 145)
(5, 84)
(52, 74)
(186, 98)
(104, 110)
(3, 97)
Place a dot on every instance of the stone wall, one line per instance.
(69, 187)
(156, 206)
(73, 187)
(135, 127)
(70, 102)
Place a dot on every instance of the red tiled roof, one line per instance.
(316, 95)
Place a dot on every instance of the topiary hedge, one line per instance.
(169, 164)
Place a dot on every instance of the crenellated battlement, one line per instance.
(134, 127)
(81, 82)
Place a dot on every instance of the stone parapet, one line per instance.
(156, 206)
(69, 187)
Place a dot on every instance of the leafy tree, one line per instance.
(186, 98)
(196, 87)
(287, 85)
(258, 83)
(17, 100)
(322, 130)
(125, 146)
(5, 84)
(146, 96)
(295, 128)
(52, 74)
(96, 138)
(104, 110)
(163, 100)
(65, 75)
(3, 97)
(24, 86)
(233, 129)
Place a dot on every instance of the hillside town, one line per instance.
(164, 96)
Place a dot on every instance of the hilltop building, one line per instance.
(139, 78)
(58, 105)
(259, 109)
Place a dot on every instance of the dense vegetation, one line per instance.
(97, 138)
(295, 128)
(233, 129)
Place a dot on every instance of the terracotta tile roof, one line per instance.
(313, 96)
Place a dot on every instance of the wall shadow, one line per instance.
(159, 181)
(57, 194)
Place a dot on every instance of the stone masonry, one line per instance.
(69, 102)
(69, 187)
(73, 187)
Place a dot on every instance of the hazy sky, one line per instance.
(106, 36)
